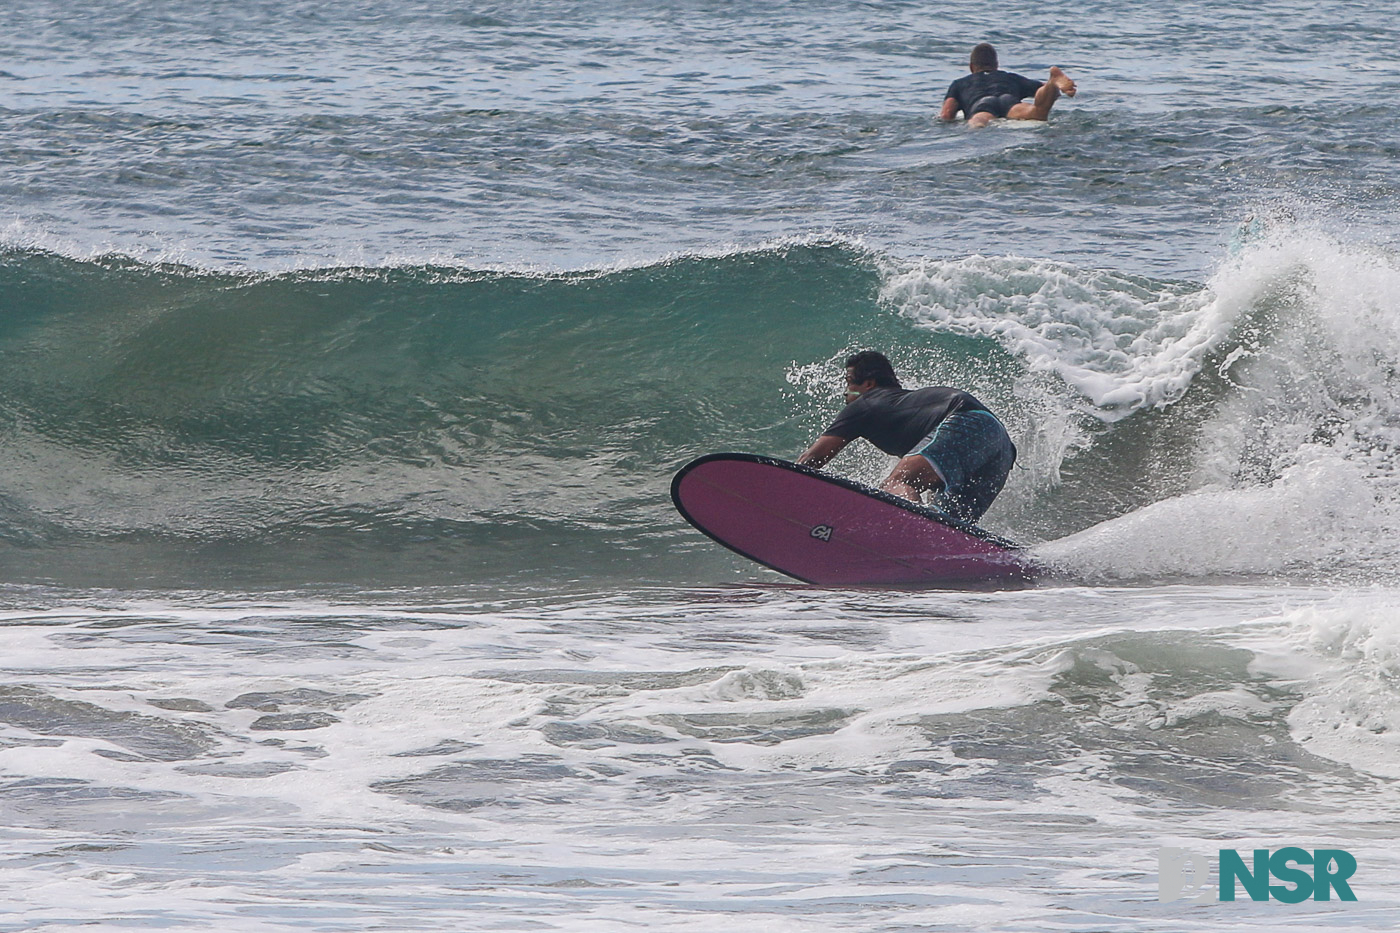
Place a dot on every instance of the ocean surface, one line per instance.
(347, 351)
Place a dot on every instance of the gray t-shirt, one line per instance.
(894, 420)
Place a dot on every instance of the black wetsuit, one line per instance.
(993, 92)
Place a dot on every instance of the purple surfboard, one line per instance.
(831, 531)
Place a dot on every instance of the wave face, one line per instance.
(431, 423)
(458, 422)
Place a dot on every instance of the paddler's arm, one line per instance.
(822, 450)
(950, 109)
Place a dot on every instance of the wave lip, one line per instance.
(1121, 343)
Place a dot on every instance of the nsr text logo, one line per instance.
(1330, 870)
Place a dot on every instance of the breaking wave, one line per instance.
(473, 423)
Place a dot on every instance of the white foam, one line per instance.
(1308, 518)
(1294, 430)
(1350, 680)
(629, 829)
(1120, 343)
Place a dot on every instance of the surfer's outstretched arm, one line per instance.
(950, 109)
(822, 450)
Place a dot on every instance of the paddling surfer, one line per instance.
(989, 93)
(947, 440)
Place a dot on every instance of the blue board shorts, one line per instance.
(973, 454)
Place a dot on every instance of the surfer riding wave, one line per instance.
(948, 442)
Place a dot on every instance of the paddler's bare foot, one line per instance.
(1063, 82)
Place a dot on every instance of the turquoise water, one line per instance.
(348, 353)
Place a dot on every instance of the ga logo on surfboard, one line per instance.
(822, 532)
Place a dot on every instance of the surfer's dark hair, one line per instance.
(984, 57)
(872, 364)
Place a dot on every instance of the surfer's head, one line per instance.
(984, 58)
(866, 370)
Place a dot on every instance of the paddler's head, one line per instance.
(984, 58)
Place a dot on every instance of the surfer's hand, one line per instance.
(822, 450)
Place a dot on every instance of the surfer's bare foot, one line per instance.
(1050, 91)
(1063, 82)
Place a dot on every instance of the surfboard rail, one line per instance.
(832, 531)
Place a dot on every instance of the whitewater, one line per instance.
(349, 350)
